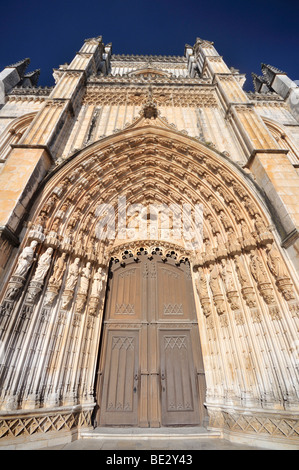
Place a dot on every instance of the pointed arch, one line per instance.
(283, 139)
(149, 163)
(13, 133)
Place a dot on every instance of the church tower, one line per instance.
(149, 248)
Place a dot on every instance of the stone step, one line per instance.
(149, 433)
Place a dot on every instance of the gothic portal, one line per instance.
(149, 248)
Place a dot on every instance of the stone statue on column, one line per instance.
(70, 283)
(96, 291)
(25, 260)
(18, 278)
(216, 290)
(83, 287)
(37, 281)
(55, 280)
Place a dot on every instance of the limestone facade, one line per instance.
(153, 130)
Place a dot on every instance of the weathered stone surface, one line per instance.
(82, 165)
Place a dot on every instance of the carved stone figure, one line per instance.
(97, 283)
(90, 247)
(55, 224)
(74, 219)
(235, 210)
(257, 269)
(213, 224)
(208, 254)
(232, 242)
(203, 294)
(37, 280)
(250, 206)
(275, 263)
(79, 243)
(43, 266)
(224, 219)
(259, 274)
(25, 260)
(247, 289)
(260, 227)
(58, 271)
(41, 219)
(214, 281)
(279, 271)
(72, 275)
(248, 241)
(84, 280)
(221, 246)
(49, 204)
(230, 288)
(263, 233)
(201, 284)
(83, 288)
(70, 283)
(241, 272)
(227, 276)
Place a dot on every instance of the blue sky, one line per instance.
(244, 33)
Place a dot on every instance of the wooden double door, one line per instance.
(150, 368)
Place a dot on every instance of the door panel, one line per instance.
(125, 299)
(178, 385)
(174, 297)
(120, 379)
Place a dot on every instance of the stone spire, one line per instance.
(12, 75)
(260, 84)
(20, 66)
(191, 64)
(283, 86)
(30, 79)
(270, 73)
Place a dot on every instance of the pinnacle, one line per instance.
(270, 73)
(260, 83)
(203, 41)
(21, 66)
(32, 76)
(271, 67)
(97, 39)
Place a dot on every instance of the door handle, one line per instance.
(163, 384)
(135, 383)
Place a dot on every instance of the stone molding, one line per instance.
(26, 425)
(279, 430)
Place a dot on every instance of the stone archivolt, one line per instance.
(244, 287)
